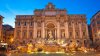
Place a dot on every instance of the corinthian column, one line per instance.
(58, 29)
(87, 34)
(35, 29)
(21, 30)
(27, 29)
(43, 30)
(80, 29)
(55, 34)
(73, 30)
(66, 30)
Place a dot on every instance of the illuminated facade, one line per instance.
(1, 19)
(8, 32)
(95, 26)
(52, 24)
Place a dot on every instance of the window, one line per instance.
(18, 23)
(98, 16)
(76, 24)
(25, 24)
(78, 41)
(69, 24)
(98, 22)
(93, 24)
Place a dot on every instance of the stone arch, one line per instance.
(50, 30)
(50, 25)
(50, 22)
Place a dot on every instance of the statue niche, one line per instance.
(62, 33)
(39, 33)
(50, 36)
(50, 31)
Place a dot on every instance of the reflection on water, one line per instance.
(58, 54)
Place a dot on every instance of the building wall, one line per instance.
(61, 24)
(1, 20)
(95, 25)
(8, 33)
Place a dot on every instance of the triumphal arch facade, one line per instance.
(51, 24)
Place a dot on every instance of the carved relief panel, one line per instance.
(62, 22)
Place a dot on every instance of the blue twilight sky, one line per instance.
(10, 8)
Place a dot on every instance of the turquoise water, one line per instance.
(57, 54)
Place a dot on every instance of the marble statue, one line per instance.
(50, 34)
(63, 34)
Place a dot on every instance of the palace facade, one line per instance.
(52, 24)
(8, 33)
(1, 20)
(95, 27)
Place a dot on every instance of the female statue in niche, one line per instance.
(63, 34)
(50, 35)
